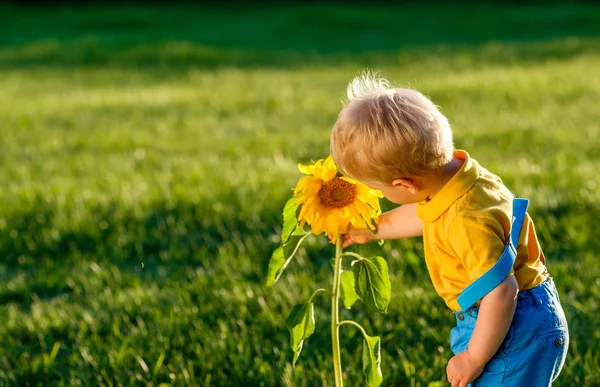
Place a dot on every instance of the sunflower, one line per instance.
(330, 203)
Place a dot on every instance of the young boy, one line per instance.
(396, 141)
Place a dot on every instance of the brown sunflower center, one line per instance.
(337, 193)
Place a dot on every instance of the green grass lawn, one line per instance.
(146, 154)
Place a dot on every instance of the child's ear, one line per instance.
(408, 184)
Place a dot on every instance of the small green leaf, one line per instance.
(372, 283)
(290, 221)
(372, 360)
(275, 264)
(291, 235)
(349, 295)
(301, 324)
(282, 254)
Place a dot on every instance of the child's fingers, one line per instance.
(347, 240)
(331, 239)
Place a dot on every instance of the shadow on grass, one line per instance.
(175, 238)
(183, 36)
(181, 232)
(182, 237)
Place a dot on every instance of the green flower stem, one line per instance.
(335, 314)
(350, 322)
(350, 254)
(314, 294)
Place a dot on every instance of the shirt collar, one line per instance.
(456, 187)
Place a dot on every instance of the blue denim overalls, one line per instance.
(535, 348)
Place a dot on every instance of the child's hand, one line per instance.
(462, 370)
(357, 235)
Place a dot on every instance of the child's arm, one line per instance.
(493, 321)
(401, 222)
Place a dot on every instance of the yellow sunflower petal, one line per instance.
(318, 226)
(325, 170)
(308, 184)
(306, 169)
(364, 189)
(307, 208)
(369, 200)
(330, 169)
(329, 163)
(336, 225)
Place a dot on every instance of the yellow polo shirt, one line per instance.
(466, 226)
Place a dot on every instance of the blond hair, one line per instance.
(385, 133)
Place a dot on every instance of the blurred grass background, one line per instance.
(146, 153)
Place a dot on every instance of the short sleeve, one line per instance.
(478, 241)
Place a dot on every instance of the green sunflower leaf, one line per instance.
(291, 236)
(371, 358)
(283, 255)
(372, 283)
(290, 221)
(301, 324)
(275, 265)
(349, 296)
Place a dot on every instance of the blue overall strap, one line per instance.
(494, 276)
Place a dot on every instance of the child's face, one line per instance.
(401, 191)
